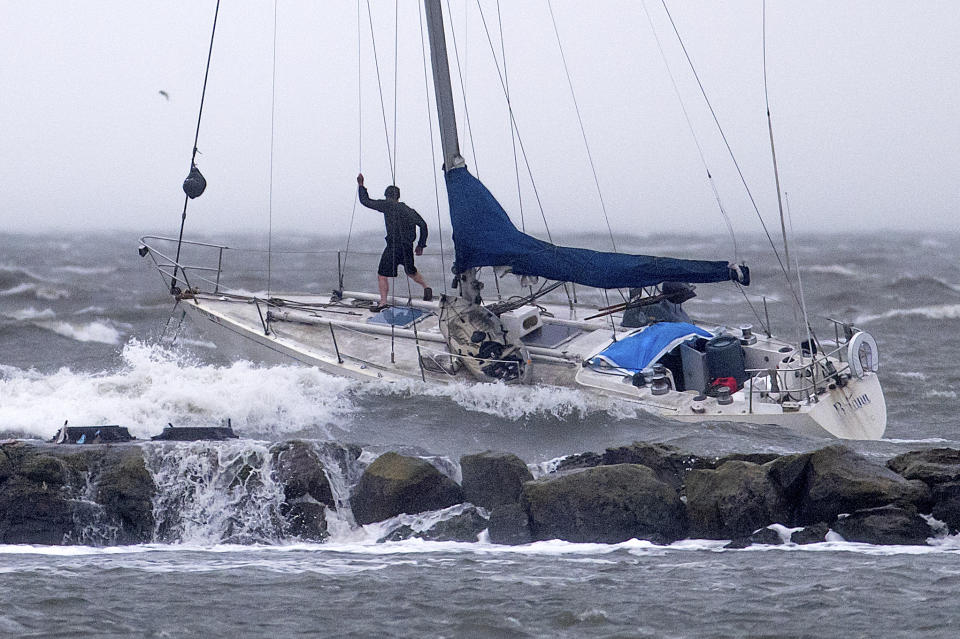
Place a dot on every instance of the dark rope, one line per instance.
(193, 157)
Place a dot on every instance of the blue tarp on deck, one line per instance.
(636, 352)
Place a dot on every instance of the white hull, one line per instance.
(856, 410)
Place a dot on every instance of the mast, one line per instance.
(466, 281)
(441, 85)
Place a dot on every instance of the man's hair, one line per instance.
(392, 192)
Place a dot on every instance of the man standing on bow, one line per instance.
(401, 223)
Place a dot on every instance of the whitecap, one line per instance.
(99, 331)
(940, 394)
(18, 289)
(942, 312)
(833, 269)
(86, 270)
(30, 314)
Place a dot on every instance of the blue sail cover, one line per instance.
(484, 236)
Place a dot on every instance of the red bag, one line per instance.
(729, 382)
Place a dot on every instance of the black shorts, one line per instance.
(394, 256)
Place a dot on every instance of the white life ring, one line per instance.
(863, 354)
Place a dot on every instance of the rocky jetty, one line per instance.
(254, 492)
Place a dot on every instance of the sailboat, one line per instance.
(644, 351)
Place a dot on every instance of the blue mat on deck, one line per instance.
(399, 316)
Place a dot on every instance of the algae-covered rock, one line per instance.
(395, 484)
(887, 525)
(308, 521)
(45, 469)
(6, 466)
(510, 525)
(299, 469)
(606, 504)
(946, 504)
(812, 534)
(931, 466)
(764, 537)
(580, 460)
(34, 513)
(732, 501)
(834, 480)
(491, 479)
(670, 464)
(126, 489)
(463, 527)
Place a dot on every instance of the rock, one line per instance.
(732, 501)
(308, 521)
(510, 525)
(395, 484)
(887, 525)
(755, 458)
(45, 469)
(606, 504)
(463, 527)
(946, 504)
(32, 513)
(491, 479)
(835, 480)
(668, 462)
(764, 536)
(126, 489)
(398, 534)
(300, 470)
(6, 467)
(931, 466)
(812, 534)
(580, 460)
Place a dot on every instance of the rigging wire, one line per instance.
(196, 138)
(383, 108)
(571, 298)
(513, 138)
(693, 133)
(273, 111)
(463, 92)
(733, 158)
(773, 150)
(523, 151)
(353, 211)
(396, 57)
(433, 155)
(583, 131)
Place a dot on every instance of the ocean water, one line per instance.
(84, 337)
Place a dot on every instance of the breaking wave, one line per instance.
(154, 386)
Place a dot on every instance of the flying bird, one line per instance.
(164, 94)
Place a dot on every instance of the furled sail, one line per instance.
(485, 236)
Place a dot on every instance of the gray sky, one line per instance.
(865, 98)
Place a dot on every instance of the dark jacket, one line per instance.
(399, 219)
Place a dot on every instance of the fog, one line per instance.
(864, 99)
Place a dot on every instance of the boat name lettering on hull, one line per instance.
(856, 403)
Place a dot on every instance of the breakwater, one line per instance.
(247, 492)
